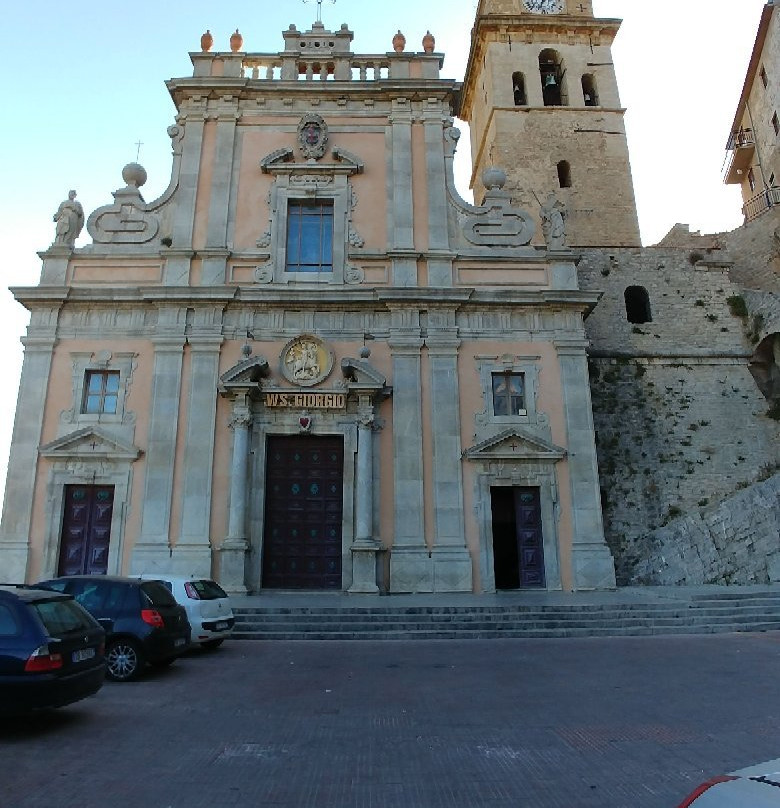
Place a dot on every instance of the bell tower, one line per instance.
(542, 101)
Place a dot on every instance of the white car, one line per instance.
(207, 604)
(753, 787)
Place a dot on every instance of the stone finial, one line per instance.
(134, 174)
(399, 42)
(429, 42)
(69, 220)
(206, 41)
(236, 41)
(494, 178)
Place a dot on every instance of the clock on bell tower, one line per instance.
(541, 99)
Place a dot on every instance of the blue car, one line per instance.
(51, 651)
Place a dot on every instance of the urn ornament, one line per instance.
(429, 42)
(236, 41)
(399, 42)
(206, 41)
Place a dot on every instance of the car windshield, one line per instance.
(208, 590)
(62, 617)
(157, 594)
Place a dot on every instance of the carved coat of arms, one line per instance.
(313, 136)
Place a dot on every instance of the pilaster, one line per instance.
(593, 566)
(16, 522)
(399, 192)
(152, 551)
(197, 471)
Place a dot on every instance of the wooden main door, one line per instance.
(518, 547)
(86, 529)
(303, 511)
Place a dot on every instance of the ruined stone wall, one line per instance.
(680, 422)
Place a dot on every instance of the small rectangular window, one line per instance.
(509, 393)
(751, 177)
(310, 236)
(776, 124)
(763, 77)
(101, 392)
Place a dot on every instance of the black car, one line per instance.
(51, 650)
(143, 622)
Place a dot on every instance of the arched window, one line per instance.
(518, 89)
(589, 91)
(551, 72)
(637, 305)
(564, 174)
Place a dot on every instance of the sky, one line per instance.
(85, 85)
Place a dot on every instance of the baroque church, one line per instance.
(311, 365)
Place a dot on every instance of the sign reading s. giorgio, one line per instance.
(306, 401)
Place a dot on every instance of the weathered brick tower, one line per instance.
(541, 96)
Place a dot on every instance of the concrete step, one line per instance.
(748, 612)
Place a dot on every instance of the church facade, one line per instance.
(310, 364)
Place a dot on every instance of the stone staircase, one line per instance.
(697, 613)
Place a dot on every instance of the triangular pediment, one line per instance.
(89, 443)
(246, 373)
(515, 444)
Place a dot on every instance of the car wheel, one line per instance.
(123, 661)
(211, 644)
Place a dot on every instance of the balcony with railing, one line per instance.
(742, 145)
(761, 203)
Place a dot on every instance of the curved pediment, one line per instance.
(515, 444)
(246, 373)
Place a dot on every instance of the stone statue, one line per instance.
(554, 223)
(69, 220)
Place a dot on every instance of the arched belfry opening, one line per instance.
(637, 305)
(552, 75)
(518, 89)
(590, 93)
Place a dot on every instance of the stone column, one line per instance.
(192, 555)
(399, 191)
(365, 547)
(235, 546)
(152, 551)
(451, 559)
(25, 440)
(592, 563)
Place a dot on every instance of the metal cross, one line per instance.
(319, 7)
(138, 150)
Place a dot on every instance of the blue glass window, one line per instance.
(101, 392)
(310, 236)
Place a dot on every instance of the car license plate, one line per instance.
(85, 653)
(221, 626)
(179, 642)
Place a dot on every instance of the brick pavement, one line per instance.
(595, 723)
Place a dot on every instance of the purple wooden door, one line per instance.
(518, 547)
(86, 529)
(303, 512)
